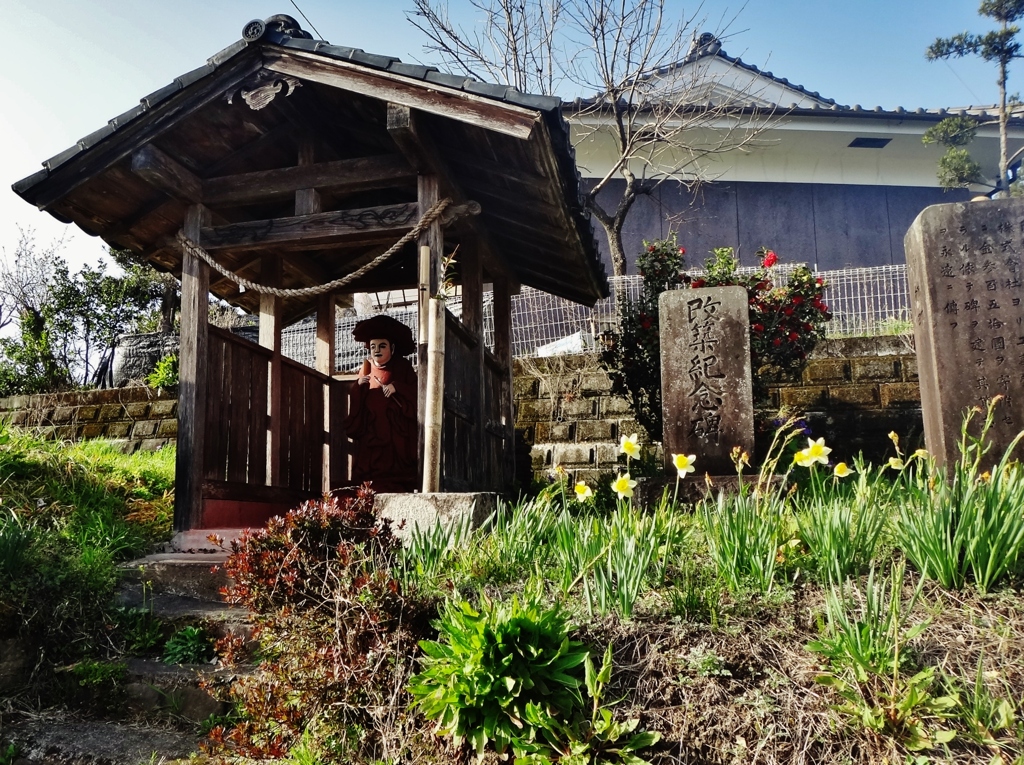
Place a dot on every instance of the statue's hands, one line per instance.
(364, 380)
(388, 389)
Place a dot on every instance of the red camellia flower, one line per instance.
(798, 299)
(646, 323)
(787, 311)
(758, 327)
(770, 259)
(650, 248)
(808, 327)
(777, 341)
(697, 283)
(793, 337)
(819, 281)
(682, 250)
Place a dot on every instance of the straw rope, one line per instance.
(429, 217)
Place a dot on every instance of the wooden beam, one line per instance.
(167, 174)
(137, 133)
(454, 104)
(342, 176)
(469, 264)
(192, 382)
(342, 226)
(424, 155)
(270, 337)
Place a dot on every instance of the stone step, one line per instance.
(188, 574)
(67, 740)
(153, 688)
(216, 619)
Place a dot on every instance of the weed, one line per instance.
(695, 594)
(990, 720)
(189, 645)
(9, 754)
(599, 739)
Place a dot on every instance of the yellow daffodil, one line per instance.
(559, 470)
(894, 438)
(896, 463)
(842, 470)
(630, 446)
(623, 486)
(684, 463)
(583, 492)
(921, 454)
(985, 477)
(816, 451)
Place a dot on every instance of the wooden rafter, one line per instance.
(437, 99)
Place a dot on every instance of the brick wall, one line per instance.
(137, 418)
(853, 392)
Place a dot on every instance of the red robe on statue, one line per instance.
(384, 428)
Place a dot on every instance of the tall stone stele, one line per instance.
(964, 266)
(706, 393)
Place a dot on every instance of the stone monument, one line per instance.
(706, 394)
(964, 268)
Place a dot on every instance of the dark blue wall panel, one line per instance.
(830, 225)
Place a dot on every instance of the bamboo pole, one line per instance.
(434, 410)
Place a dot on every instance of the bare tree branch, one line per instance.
(657, 101)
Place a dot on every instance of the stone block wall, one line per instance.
(567, 415)
(136, 418)
(853, 392)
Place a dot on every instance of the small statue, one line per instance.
(382, 408)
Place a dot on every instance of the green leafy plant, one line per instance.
(490, 663)
(431, 549)
(964, 523)
(9, 754)
(165, 373)
(595, 740)
(695, 594)
(189, 645)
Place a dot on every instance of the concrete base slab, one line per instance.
(409, 511)
(181, 573)
(197, 540)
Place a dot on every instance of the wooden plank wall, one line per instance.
(472, 452)
(236, 410)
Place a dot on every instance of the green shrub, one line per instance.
(490, 664)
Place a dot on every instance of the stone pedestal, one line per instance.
(409, 511)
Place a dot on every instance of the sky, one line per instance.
(68, 66)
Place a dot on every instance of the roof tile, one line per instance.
(125, 117)
(59, 159)
(158, 96)
(448, 80)
(196, 74)
(96, 136)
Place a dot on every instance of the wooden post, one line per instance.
(307, 202)
(270, 337)
(324, 355)
(503, 352)
(430, 254)
(434, 416)
(189, 466)
(470, 267)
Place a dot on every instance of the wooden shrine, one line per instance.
(292, 163)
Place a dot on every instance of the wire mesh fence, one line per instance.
(863, 301)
